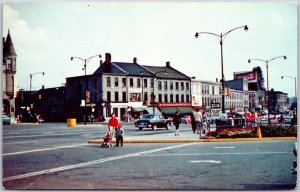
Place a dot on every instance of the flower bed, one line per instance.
(279, 131)
(250, 132)
(234, 132)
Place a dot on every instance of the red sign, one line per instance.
(174, 104)
(251, 76)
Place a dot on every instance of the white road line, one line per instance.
(224, 147)
(20, 142)
(43, 135)
(203, 154)
(69, 167)
(205, 161)
(45, 149)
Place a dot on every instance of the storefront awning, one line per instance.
(168, 110)
(185, 110)
(144, 110)
(172, 110)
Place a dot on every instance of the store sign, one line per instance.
(174, 104)
(251, 76)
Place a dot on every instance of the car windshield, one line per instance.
(148, 116)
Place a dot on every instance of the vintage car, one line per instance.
(6, 120)
(153, 121)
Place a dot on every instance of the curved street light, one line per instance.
(221, 39)
(31, 75)
(295, 84)
(267, 69)
(85, 62)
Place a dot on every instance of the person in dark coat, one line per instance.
(176, 122)
(193, 123)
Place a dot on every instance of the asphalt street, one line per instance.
(54, 156)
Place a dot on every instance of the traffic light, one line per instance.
(266, 98)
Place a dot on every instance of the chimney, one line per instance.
(107, 57)
(135, 60)
(168, 64)
(101, 62)
(107, 68)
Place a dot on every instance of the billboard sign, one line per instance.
(251, 76)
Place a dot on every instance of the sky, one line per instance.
(47, 34)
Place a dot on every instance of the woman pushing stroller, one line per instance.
(114, 129)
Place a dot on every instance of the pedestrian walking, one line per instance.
(193, 122)
(119, 135)
(198, 120)
(204, 123)
(176, 122)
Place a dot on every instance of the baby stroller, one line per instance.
(107, 140)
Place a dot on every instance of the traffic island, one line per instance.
(100, 141)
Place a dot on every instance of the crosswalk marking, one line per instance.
(74, 166)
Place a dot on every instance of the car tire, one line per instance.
(154, 127)
(140, 128)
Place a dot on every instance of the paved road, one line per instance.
(53, 156)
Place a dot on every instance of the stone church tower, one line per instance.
(9, 69)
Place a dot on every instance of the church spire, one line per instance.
(8, 47)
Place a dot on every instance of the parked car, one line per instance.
(6, 120)
(29, 118)
(153, 121)
(186, 119)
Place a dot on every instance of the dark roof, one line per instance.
(113, 69)
(121, 68)
(134, 69)
(171, 73)
(8, 47)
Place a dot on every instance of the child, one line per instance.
(119, 136)
(107, 140)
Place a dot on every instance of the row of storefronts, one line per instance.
(129, 89)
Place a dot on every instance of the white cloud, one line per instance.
(22, 32)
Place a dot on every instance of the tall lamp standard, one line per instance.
(295, 84)
(221, 38)
(267, 69)
(31, 75)
(85, 62)
(153, 96)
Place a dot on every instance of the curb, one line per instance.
(99, 141)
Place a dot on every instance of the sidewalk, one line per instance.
(184, 137)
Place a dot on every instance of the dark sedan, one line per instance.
(153, 121)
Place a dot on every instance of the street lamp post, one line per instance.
(267, 69)
(30, 87)
(85, 62)
(153, 96)
(295, 83)
(31, 75)
(221, 38)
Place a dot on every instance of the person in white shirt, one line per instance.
(198, 120)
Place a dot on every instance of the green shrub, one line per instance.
(278, 131)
